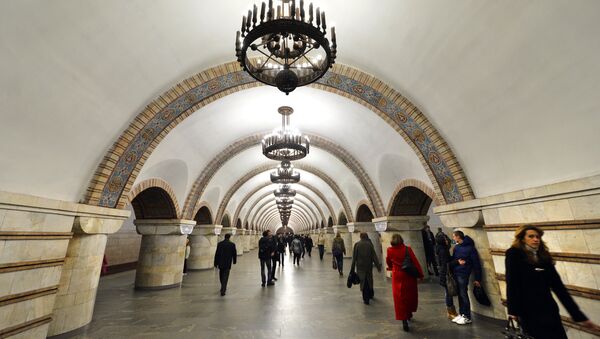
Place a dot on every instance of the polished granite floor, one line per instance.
(310, 301)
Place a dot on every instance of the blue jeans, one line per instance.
(464, 304)
(449, 299)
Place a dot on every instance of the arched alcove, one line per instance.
(342, 220)
(330, 222)
(410, 201)
(364, 214)
(322, 224)
(203, 216)
(154, 203)
(225, 221)
(238, 224)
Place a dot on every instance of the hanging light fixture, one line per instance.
(285, 143)
(284, 191)
(288, 47)
(285, 174)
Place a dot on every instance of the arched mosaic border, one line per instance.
(115, 175)
(411, 183)
(155, 182)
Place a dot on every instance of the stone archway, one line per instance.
(116, 173)
(364, 214)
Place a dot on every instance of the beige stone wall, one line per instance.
(74, 304)
(569, 214)
(34, 236)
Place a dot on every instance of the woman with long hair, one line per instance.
(404, 286)
(530, 278)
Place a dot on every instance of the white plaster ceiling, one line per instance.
(511, 85)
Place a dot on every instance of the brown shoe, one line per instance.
(451, 312)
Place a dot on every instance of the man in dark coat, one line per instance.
(226, 254)
(266, 250)
(363, 259)
(308, 244)
(429, 245)
(275, 257)
(465, 260)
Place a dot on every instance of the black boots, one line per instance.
(405, 325)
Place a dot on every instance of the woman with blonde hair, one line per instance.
(530, 278)
(404, 285)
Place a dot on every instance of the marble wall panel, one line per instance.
(21, 312)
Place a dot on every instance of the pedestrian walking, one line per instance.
(338, 249)
(321, 245)
(309, 245)
(404, 285)
(266, 250)
(465, 260)
(363, 260)
(225, 255)
(297, 249)
(530, 278)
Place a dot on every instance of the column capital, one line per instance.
(164, 226)
(401, 223)
(232, 230)
(103, 221)
(207, 229)
(361, 227)
(340, 228)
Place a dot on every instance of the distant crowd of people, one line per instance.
(530, 273)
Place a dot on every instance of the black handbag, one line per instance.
(334, 264)
(451, 284)
(481, 296)
(514, 332)
(408, 266)
(353, 279)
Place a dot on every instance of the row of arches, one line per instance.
(157, 203)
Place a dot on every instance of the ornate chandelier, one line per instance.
(285, 143)
(284, 191)
(287, 48)
(285, 174)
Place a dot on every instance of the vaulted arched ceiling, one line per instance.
(510, 86)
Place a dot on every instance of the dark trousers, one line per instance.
(464, 304)
(224, 278)
(185, 266)
(449, 299)
(281, 257)
(321, 251)
(309, 249)
(265, 264)
(274, 265)
(431, 264)
(339, 259)
(367, 292)
(297, 258)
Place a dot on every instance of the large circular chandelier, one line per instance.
(285, 174)
(285, 143)
(288, 47)
(284, 191)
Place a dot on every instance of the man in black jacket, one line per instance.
(266, 250)
(226, 254)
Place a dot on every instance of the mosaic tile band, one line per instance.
(125, 166)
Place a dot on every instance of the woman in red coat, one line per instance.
(404, 286)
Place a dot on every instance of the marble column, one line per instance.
(409, 227)
(346, 236)
(246, 240)
(203, 242)
(328, 232)
(162, 252)
(74, 304)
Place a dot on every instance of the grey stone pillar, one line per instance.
(203, 243)
(162, 252)
(409, 227)
(328, 232)
(74, 305)
(246, 239)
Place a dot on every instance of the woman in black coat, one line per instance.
(530, 276)
(442, 251)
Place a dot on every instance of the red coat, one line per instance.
(404, 287)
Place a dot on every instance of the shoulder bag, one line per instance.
(408, 266)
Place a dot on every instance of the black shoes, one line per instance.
(222, 293)
(270, 283)
(263, 284)
(274, 278)
(405, 325)
(366, 302)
